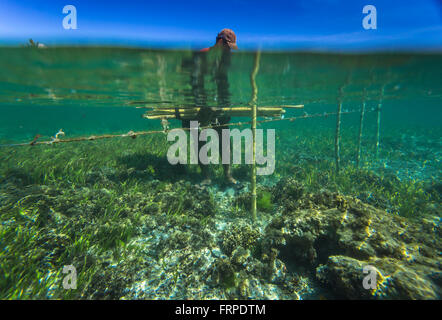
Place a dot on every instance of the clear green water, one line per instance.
(89, 90)
(92, 91)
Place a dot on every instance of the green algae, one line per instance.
(84, 205)
(264, 202)
(91, 205)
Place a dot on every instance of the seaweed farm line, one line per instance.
(133, 134)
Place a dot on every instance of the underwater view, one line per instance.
(86, 181)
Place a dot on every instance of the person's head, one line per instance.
(227, 39)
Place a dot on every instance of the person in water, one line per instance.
(213, 61)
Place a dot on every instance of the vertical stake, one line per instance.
(254, 114)
(378, 127)
(361, 126)
(338, 123)
(337, 137)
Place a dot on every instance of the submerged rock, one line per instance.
(394, 279)
(339, 235)
(238, 235)
(287, 192)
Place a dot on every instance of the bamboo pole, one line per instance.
(273, 109)
(191, 113)
(164, 116)
(361, 125)
(338, 128)
(254, 115)
(296, 106)
(338, 124)
(378, 126)
(337, 136)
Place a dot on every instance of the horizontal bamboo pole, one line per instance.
(159, 117)
(216, 109)
(230, 112)
(248, 109)
(193, 115)
(298, 106)
(189, 113)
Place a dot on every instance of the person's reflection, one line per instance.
(214, 63)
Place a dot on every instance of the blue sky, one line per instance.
(277, 24)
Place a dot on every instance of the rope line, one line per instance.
(134, 134)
